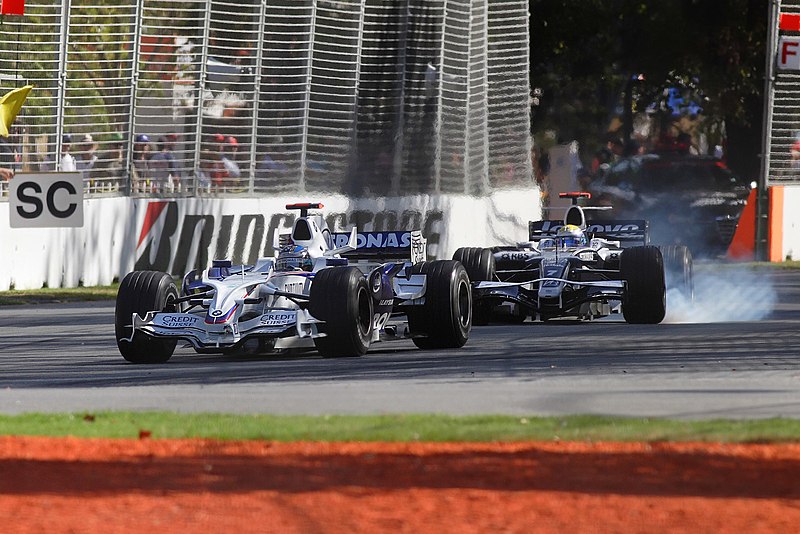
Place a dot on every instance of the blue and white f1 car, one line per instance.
(337, 293)
(577, 269)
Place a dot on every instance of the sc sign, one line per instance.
(46, 200)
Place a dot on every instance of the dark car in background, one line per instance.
(690, 200)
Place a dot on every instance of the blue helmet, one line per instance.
(571, 236)
(293, 258)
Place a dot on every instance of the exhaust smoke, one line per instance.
(723, 294)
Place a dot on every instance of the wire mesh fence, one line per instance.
(784, 135)
(249, 97)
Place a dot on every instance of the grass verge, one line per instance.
(55, 295)
(396, 428)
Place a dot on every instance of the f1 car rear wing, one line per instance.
(379, 247)
(624, 231)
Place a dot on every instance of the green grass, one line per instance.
(75, 294)
(396, 428)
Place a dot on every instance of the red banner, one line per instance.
(789, 22)
(12, 7)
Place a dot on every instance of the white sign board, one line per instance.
(789, 53)
(46, 200)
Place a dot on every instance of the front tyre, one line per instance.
(141, 292)
(646, 293)
(340, 296)
(445, 320)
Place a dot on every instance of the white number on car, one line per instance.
(380, 320)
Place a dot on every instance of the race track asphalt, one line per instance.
(734, 354)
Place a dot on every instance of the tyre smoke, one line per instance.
(723, 295)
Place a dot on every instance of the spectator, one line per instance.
(243, 82)
(267, 167)
(207, 167)
(164, 167)
(7, 159)
(794, 152)
(113, 159)
(211, 160)
(141, 168)
(40, 158)
(177, 173)
(541, 166)
(606, 156)
(228, 156)
(684, 144)
(87, 157)
(68, 163)
(632, 148)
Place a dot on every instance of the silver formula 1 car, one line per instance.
(336, 293)
(576, 269)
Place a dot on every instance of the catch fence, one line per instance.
(783, 113)
(247, 97)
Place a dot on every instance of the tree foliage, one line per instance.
(583, 52)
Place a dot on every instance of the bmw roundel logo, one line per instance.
(216, 313)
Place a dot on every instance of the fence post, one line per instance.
(62, 79)
(762, 195)
(437, 125)
(307, 105)
(399, 162)
(355, 155)
(257, 96)
(137, 43)
(201, 83)
(486, 182)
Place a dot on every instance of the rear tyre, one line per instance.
(141, 292)
(445, 319)
(645, 296)
(678, 269)
(340, 296)
(478, 262)
(480, 266)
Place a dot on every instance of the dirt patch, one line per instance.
(91, 485)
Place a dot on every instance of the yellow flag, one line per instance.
(10, 104)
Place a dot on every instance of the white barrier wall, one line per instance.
(791, 222)
(62, 257)
(123, 234)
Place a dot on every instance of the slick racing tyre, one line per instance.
(340, 296)
(445, 320)
(678, 269)
(480, 266)
(141, 292)
(645, 296)
(478, 262)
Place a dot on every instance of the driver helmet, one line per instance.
(293, 258)
(571, 236)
